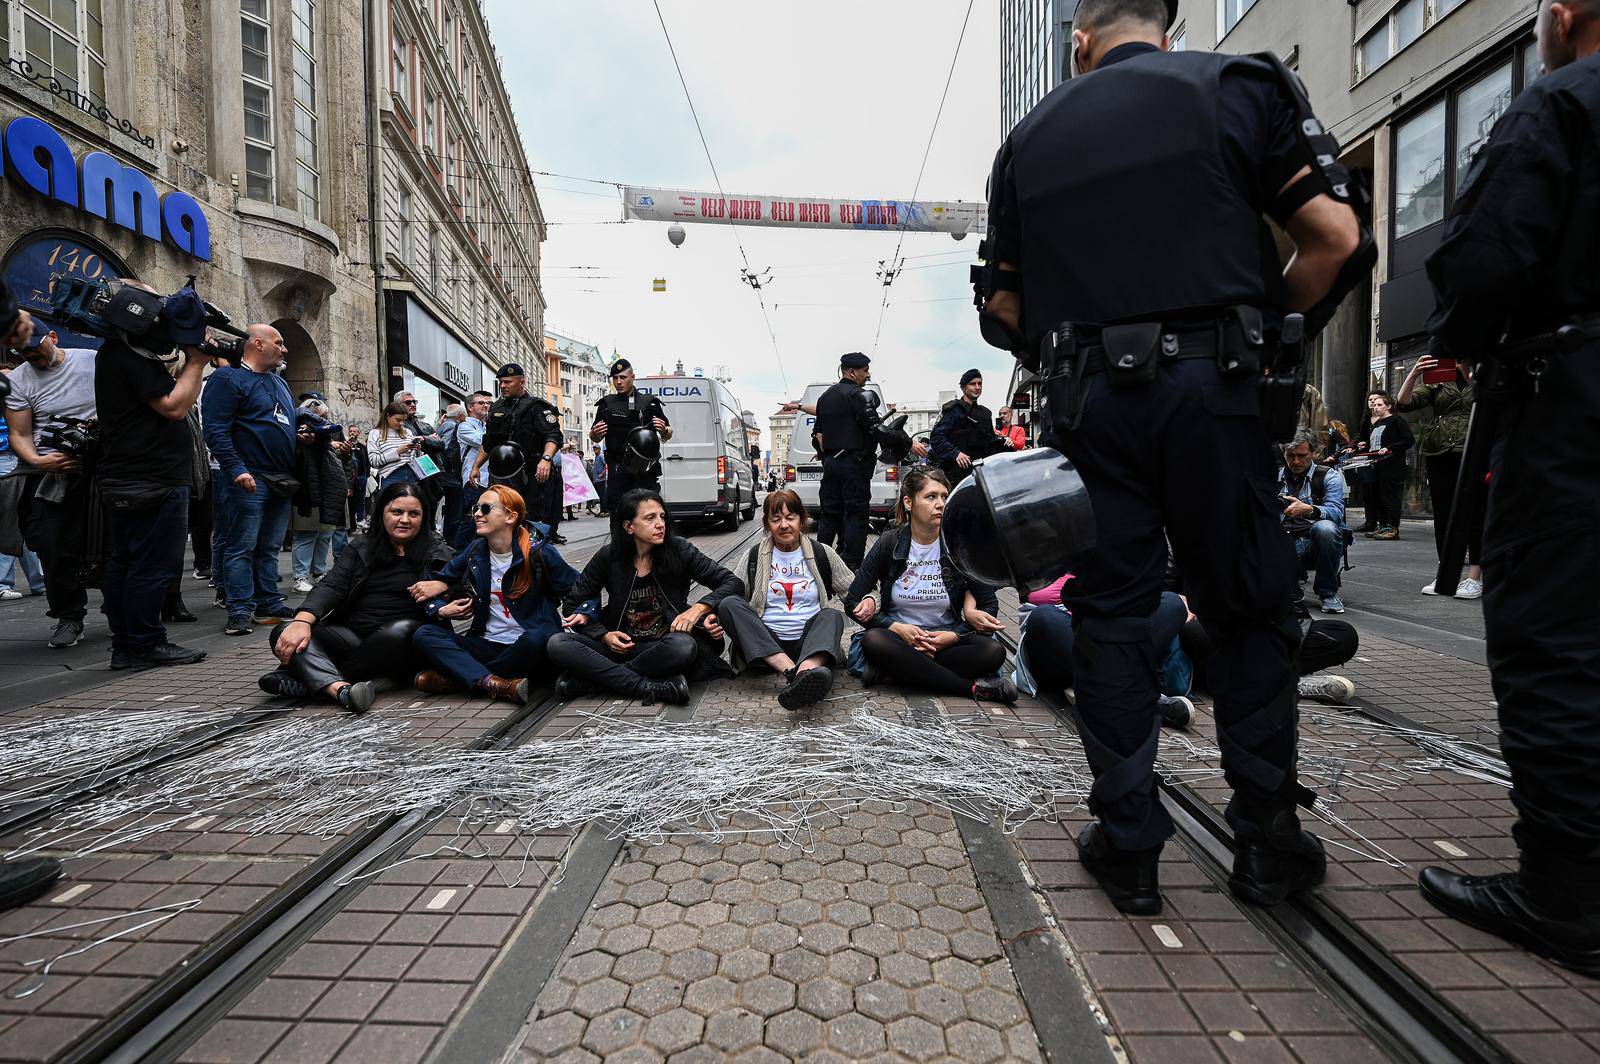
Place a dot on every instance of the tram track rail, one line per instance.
(1406, 1017)
(169, 1015)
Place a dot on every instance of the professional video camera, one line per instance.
(78, 437)
(147, 322)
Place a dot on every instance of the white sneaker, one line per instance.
(1469, 589)
(1326, 687)
(1429, 589)
(302, 585)
(9, 593)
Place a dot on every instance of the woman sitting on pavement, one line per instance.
(645, 639)
(786, 622)
(515, 582)
(926, 626)
(357, 623)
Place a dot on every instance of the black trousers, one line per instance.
(1137, 449)
(58, 533)
(620, 480)
(337, 653)
(755, 640)
(1390, 491)
(146, 553)
(1327, 644)
(200, 518)
(844, 498)
(1443, 470)
(590, 659)
(949, 672)
(1541, 560)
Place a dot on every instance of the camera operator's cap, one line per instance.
(619, 365)
(510, 369)
(1021, 520)
(970, 376)
(318, 396)
(39, 336)
(854, 360)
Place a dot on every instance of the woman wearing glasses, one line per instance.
(514, 583)
(357, 624)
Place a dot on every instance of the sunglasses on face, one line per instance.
(484, 509)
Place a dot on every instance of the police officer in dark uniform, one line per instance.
(849, 429)
(615, 416)
(534, 426)
(1154, 339)
(965, 432)
(1519, 260)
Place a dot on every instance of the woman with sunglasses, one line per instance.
(514, 582)
(357, 623)
(645, 637)
(926, 626)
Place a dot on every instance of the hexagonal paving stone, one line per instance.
(733, 1029)
(774, 938)
(823, 891)
(995, 1007)
(825, 998)
(691, 964)
(655, 996)
(617, 915)
(690, 891)
(767, 995)
(639, 965)
(612, 1031)
(620, 940)
(940, 1004)
(926, 943)
(882, 1001)
(675, 872)
(798, 965)
(750, 913)
(711, 995)
(707, 913)
(852, 967)
(896, 916)
(849, 914)
(868, 892)
(825, 937)
(553, 1034)
(916, 1038)
(778, 891)
(744, 964)
(959, 897)
(974, 946)
(724, 938)
(598, 996)
(733, 891)
(586, 966)
(794, 1033)
(974, 1042)
(957, 974)
(856, 1036)
(673, 1031)
(903, 969)
(942, 918)
(646, 893)
(876, 940)
(674, 938)
(660, 914)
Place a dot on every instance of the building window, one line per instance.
(433, 258)
(1229, 12)
(255, 38)
(400, 51)
(1397, 30)
(1419, 170)
(1532, 65)
(1447, 6)
(1478, 107)
(430, 123)
(307, 168)
(1179, 39)
(406, 249)
(63, 40)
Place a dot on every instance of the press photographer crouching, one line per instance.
(145, 468)
(356, 625)
(51, 416)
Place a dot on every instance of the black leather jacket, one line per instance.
(887, 560)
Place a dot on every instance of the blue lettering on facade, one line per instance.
(38, 157)
(670, 391)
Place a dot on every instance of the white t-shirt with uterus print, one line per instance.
(792, 597)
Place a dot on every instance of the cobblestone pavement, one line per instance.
(880, 940)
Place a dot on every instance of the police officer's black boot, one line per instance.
(1128, 877)
(1549, 918)
(1273, 856)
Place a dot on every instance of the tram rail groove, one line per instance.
(1396, 1008)
(179, 1007)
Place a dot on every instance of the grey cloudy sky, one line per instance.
(829, 98)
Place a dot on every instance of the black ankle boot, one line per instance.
(672, 691)
(1556, 928)
(174, 610)
(1128, 877)
(1274, 857)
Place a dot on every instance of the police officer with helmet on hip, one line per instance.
(533, 427)
(633, 425)
(1517, 282)
(1158, 342)
(850, 429)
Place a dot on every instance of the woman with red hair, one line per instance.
(514, 583)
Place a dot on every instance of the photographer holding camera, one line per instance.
(145, 475)
(50, 413)
(248, 414)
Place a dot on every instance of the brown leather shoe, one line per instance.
(430, 682)
(501, 689)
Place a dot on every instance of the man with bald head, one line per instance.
(248, 416)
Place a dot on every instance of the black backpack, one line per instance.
(824, 569)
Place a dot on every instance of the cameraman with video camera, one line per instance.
(50, 413)
(145, 471)
(248, 415)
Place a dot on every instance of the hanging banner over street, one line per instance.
(956, 217)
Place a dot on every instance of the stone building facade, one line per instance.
(216, 138)
(457, 217)
(584, 380)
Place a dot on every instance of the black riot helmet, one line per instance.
(1019, 520)
(505, 461)
(641, 450)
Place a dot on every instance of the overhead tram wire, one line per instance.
(748, 271)
(894, 261)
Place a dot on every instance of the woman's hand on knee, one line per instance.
(293, 637)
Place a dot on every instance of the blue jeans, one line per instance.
(469, 658)
(256, 522)
(1047, 639)
(146, 556)
(313, 553)
(30, 571)
(1322, 548)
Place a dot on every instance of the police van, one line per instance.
(802, 471)
(705, 467)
